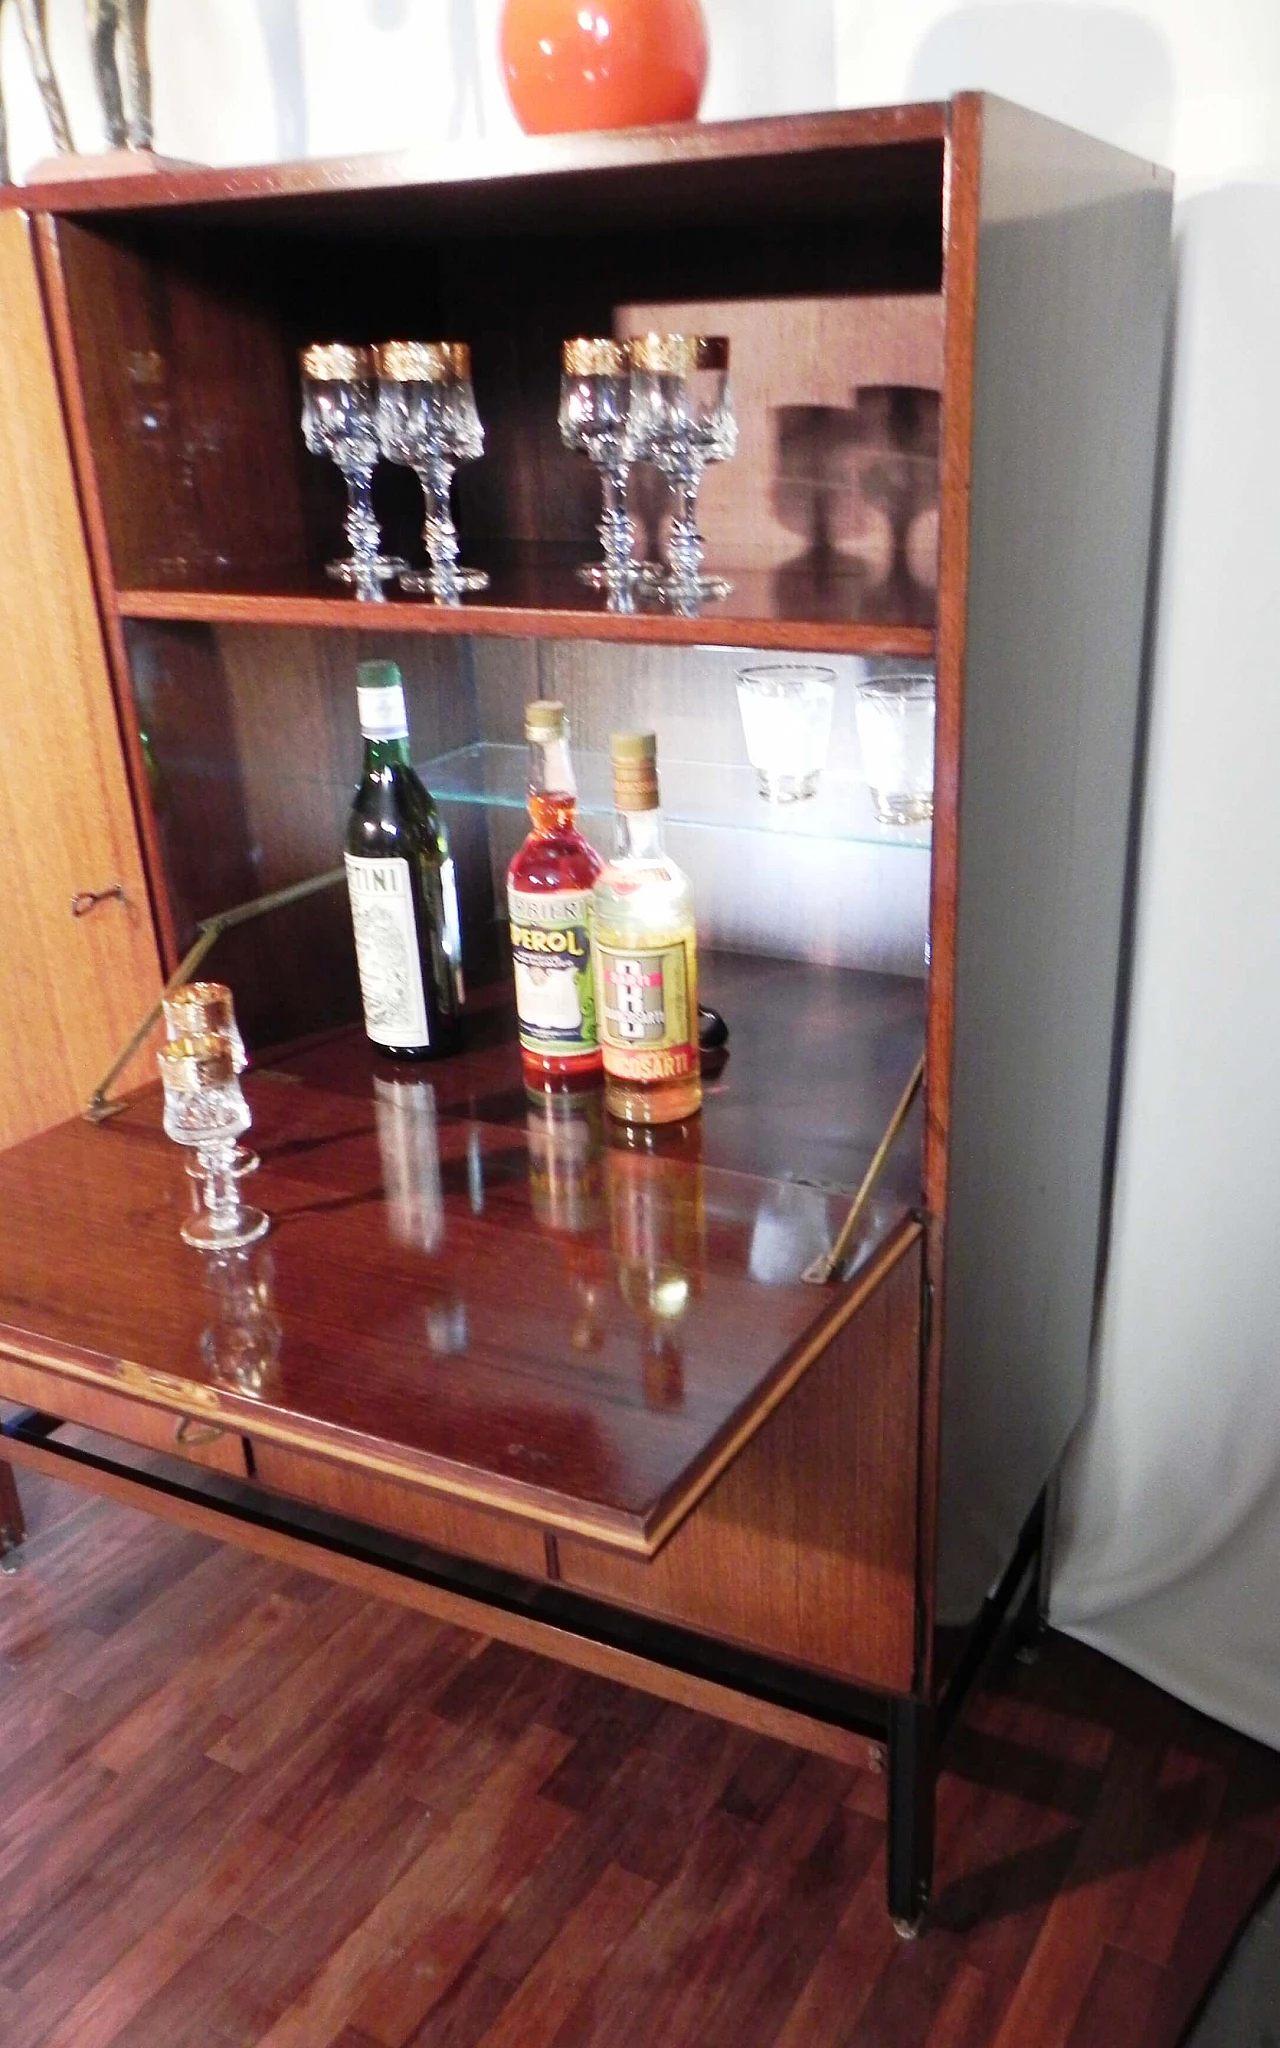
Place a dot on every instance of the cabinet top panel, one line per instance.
(882, 158)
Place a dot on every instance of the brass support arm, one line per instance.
(208, 932)
(828, 1265)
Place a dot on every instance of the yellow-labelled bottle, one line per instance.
(645, 955)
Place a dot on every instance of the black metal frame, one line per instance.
(912, 1729)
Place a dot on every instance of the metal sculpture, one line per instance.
(31, 13)
(126, 105)
(126, 114)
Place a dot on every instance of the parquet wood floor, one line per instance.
(241, 1808)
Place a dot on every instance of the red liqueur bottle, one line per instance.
(549, 885)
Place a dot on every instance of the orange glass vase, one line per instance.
(612, 64)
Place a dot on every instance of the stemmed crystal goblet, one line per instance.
(340, 420)
(198, 1009)
(596, 419)
(682, 418)
(427, 420)
(204, 1107)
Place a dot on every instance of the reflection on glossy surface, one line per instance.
(408, 1128)
(566, 1146)
(658, 1231)
(791, 1229)
(585, 1171)
(409, 1147)
(241, 1345)
(565, 1135)
(189, 454)
(447, 1328)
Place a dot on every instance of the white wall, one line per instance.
(249, 81)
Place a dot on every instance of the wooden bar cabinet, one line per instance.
(502, 1361)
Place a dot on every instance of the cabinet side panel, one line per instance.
(71, 989)
(806, 1547)
(1073, 267)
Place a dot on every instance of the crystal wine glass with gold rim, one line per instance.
(682, 417)
(340, 420)
(596, 419)
(199, 1009)
(427, 419)
(205, 1108)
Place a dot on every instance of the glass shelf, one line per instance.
(708, 793)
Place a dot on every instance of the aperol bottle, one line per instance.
(549, 886)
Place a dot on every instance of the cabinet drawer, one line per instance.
(138, 1422)
(430, 1518)
(805, 1548)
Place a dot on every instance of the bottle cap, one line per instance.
(379, 675)
(635, 770)
(545, 720)
(380, 697)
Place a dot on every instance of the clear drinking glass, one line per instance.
(895, 732)
(340, 420)
(786, 721)
(427, 420)
(204, 1107)
(199, 1009)
(596, 419)
(682, 419)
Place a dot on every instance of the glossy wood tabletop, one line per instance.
(518, 1305)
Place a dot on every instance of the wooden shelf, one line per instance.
(537, 596)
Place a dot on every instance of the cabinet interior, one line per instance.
(185, 328)
(188, 331)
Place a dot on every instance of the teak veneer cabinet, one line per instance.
(808, 1509)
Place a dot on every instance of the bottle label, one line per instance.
(648, 1012)
(551, 954)
(382, 712)
(395, 1005)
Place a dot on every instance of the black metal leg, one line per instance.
(912, 1781)
(1031, 1623)
(12, 1525)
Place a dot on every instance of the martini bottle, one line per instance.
(404, 900)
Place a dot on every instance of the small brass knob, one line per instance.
(89, 899)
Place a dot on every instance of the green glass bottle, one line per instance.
(404, 900)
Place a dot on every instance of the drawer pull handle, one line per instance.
(86, 900)
(195, 1434)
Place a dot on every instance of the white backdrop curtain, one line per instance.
(1170, 1541)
